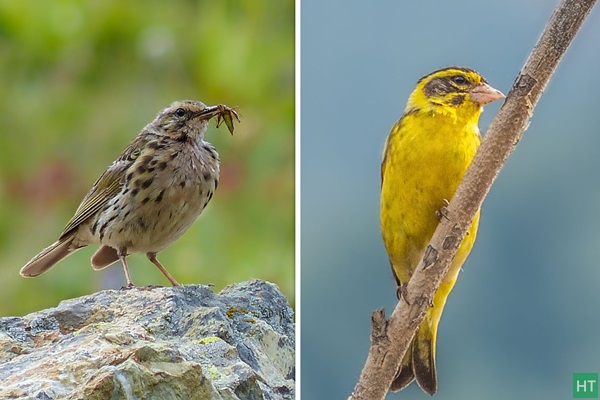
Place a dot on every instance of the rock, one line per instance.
(153, 343)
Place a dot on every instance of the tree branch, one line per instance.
(390, 339)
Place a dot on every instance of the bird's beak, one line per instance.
(484, 93)
(208, 112)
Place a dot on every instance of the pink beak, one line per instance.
(484, 93)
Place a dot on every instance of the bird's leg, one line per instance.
(443, 212)
(122, 253)
(152, 257)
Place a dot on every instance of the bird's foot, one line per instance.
(401, 292)
(443, 212)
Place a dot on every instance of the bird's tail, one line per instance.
(104, 257)
(48, 257)
(419, 361)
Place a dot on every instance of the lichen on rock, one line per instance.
(183, 342)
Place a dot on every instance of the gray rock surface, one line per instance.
(153, 343)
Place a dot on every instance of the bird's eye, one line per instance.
(459, 79)
(180, 112)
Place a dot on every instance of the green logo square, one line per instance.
(585, 386)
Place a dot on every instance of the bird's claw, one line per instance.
(443, 212)
(401, 292)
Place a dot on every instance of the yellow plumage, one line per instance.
(426, 155)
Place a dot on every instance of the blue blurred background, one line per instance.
(79, 80)
(523, 316)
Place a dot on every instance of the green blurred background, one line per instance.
(80, 79)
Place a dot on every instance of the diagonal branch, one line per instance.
(390, 339)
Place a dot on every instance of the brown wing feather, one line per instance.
(103, 190)
(106, 187)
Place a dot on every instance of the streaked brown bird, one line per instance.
(149, 196)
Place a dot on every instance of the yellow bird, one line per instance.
(426, 155)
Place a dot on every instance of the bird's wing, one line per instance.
(397, 129)
(105, 188)
(388, 146)
(386, 150)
